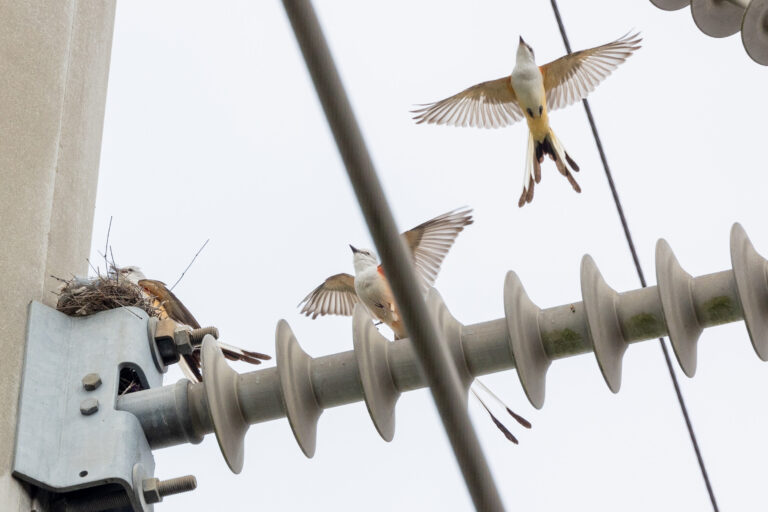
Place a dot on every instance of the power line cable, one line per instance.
(639, 269)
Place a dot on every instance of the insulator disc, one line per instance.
(717, 18)
(671, 5)
(754, 31)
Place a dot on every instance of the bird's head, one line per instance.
(524, 51)
(363, 258)
(131, 274)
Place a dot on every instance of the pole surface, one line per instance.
(54, 63)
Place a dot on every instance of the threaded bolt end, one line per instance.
(177, 485)
(196, 335)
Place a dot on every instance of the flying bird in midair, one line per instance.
(429, 243)
(171, 307)
(530, 92)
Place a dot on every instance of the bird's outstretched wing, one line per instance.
(490, 104)
(336, 296)
(571, 77)
(429, 242)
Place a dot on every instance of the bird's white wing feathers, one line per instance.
(491, 104)
(335, 296)
(429, 242)
(572, 77)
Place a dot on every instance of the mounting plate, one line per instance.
(59, 447)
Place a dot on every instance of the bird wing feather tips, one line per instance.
(491, 104)
(335, 296)
(572, 77)
(430, 241)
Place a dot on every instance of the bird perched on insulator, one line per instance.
(530, 92)
(429, 243)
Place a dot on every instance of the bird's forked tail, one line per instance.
(535, 155)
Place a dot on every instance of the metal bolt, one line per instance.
(91, 381)
(183, 341)
(177, 485)
(155, 489)
(150, 488)
(197, 335)
(89, 406)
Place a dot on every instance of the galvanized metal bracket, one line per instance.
(70, 436)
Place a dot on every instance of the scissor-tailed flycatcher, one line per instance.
(171, 307)
(429, 243)
(530, 92)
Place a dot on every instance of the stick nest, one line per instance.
(81, 297)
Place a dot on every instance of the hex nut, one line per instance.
(89, 406)
(183, 341)
(151, 490)
(91, 381)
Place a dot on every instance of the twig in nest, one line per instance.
(114, 265)
(190, 264)
(95, 269)
(106, 244)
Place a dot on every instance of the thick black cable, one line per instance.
(640, 274)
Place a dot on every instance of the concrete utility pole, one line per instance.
(54, 63)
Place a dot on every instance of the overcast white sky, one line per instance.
(213, 130)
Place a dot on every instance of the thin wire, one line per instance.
(639, 269)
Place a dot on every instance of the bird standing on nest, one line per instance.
(171, 307)
(530, 92)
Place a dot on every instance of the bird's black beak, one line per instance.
(521, 40)
(354, 249)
